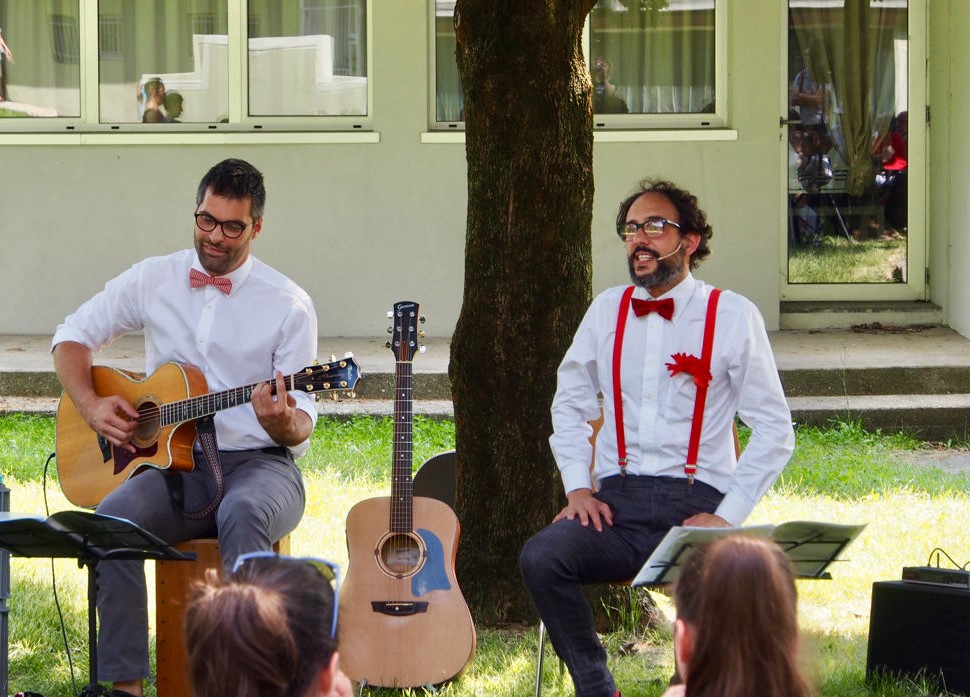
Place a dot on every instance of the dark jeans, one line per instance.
(558, 560)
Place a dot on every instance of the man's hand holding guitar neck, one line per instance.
(278, 415)
(111, 416)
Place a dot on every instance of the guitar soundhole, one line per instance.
(149, 420)
(401, 554)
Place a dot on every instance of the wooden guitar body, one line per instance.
(406, 620)
(89, 468)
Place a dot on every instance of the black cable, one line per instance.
(57, 601)
(938, 551)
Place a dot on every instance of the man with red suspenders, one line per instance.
(670, 361)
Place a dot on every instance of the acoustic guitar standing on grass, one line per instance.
(404, 622)
(168, 403)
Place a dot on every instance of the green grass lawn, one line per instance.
(839, 474)
(838, 260)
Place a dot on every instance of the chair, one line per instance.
(173, 586)
(435, 479)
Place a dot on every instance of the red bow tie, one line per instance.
(664, 308)
(197, 279)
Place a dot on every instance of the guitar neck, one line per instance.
(402, 484)
(208, 404)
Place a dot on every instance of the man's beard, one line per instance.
(668, 269)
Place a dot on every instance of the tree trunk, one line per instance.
(529, 145)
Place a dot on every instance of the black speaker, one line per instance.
(917, 627)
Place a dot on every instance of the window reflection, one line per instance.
(307, 57)
(646, 57)
(40, 72)
(848, 142)
(149, 49)
(449, 105)
(652, 56)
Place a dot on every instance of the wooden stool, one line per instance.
(173, 586)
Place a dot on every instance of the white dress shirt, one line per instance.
(267, 323)
(658, 409)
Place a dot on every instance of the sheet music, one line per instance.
(811, 546)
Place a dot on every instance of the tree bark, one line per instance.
(529, 147)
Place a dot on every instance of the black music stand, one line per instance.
(89, 538)
(812, 547)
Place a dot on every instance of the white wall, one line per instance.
(949, 181)
(363, 225)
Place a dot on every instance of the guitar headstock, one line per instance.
(337, 375)
(404, 330)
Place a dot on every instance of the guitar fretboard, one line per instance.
(402, 485)
(404, 344)
(204, 405)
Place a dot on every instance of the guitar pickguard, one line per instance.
(432, 576)
(123, 458)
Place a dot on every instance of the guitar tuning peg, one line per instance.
(390, 314)
(332, 358)
(421, 333)
(387, 344)
(422, 348)
(390, 330)
(422, 319)
(349, 354)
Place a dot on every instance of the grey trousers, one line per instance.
(263, 501)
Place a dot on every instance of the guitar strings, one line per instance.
(154, 412)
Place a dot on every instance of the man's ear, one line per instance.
(683, 646)
(691, 241)
(257, 228)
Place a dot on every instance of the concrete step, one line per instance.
(845, 315)
(888, 376)
(928, 417)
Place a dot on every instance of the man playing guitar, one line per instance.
(238, 321)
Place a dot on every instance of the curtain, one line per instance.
(659, 55)
(851, 52)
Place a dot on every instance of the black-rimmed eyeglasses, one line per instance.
(327, 569)
(230, 228)
(651, 227)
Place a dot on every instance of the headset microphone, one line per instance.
(680, 246)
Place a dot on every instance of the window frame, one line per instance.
(614, 122)
(238, 88)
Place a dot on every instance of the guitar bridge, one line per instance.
(398, 608)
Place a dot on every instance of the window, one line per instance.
(186, 64)
(653, 64)
(309, 62)
(45, 79)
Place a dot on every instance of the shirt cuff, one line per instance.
(575, 477)
(735, 508)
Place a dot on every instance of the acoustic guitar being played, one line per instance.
(168, 403)
(404, 622)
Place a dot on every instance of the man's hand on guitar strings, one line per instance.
(114, 418)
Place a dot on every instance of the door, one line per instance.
(854, 144)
